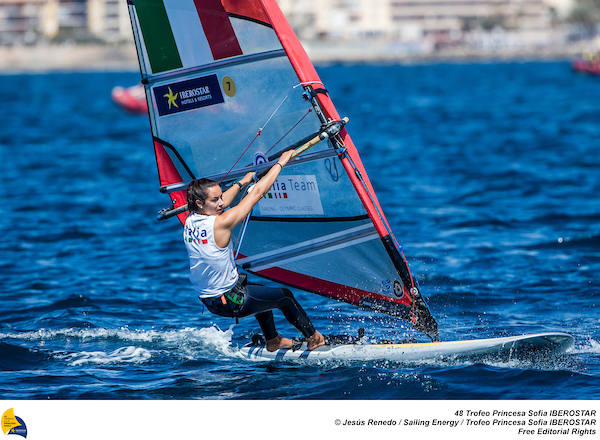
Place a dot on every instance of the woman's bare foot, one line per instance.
(316, 340)
(278, 342)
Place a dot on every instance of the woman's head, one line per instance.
(197, 193)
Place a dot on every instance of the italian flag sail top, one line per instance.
(229, 87)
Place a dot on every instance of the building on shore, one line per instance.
(411, 25)
(422, 24)
(109, 20)
(34, 21)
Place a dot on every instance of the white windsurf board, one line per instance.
(547, 343)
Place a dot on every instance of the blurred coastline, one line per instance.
(71, 57)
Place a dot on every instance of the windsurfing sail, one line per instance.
(229, 87)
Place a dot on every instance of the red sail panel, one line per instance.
(169, 175)
(327, 288)
(251, 9)
(218, 30)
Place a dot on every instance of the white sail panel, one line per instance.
(188, 32)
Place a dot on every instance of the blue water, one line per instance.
(489, 175)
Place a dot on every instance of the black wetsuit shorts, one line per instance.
(257, 300)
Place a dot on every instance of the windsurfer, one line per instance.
(207, 236)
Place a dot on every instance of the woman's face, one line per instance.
(213, 205)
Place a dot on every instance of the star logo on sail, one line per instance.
(183, 96)
(171, 98)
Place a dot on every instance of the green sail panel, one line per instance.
(158, 35)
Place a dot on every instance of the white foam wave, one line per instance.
(210, 335)
(83, 334)
(189, 343)
(589, 346)
(121, 355)
(193, 341)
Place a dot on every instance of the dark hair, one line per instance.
(198, 190)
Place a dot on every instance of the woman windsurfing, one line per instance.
(207, 236)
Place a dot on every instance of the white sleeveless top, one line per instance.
(212, 269)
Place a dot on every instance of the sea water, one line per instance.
(489, 174)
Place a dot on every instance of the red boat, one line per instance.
(584, 65)
(131, 99)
